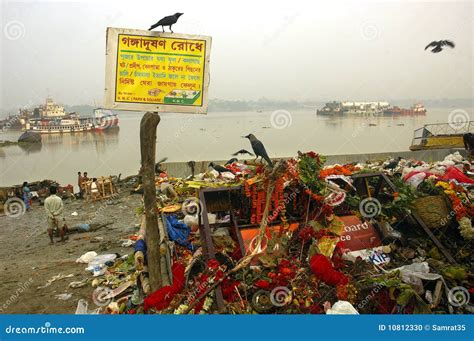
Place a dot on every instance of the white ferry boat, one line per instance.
(52, 119)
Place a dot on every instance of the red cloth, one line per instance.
(323, 269)
(453, 173)
(162, 298)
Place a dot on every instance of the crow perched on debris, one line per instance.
(393, 164)
(468, 140)
(167, 21)
(192, 165)
(258, 148)
(242, 151)
(231, 161)
(219, 168)
(437, 46)
(158, 169)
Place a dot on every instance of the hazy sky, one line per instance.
(291, 49)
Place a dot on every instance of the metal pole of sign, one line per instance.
(148, 126)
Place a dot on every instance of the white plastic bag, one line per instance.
(87, 257)
(342, 308)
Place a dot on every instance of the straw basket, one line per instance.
(433, 210)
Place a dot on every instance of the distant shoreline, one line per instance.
(229, 106)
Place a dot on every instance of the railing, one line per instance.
(421, 135)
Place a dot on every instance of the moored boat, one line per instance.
(331, 109)
(414, 110)
(60, 126)
(353, 108)
(30, 137)
(51, 118)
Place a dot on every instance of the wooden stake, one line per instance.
(148, 126)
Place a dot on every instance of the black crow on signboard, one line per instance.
(166, 21)
(437, 46)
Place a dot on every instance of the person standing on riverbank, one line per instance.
(54, 207)
(26, 195)
(79, 183)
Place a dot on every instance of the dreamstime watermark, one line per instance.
(282, 206)
(182, 128)
(11, 120)
(202, 287)
(46, 329)
(281, 296)
(101, 296)
(370, 207)
(458, 296)
(191, 206)
(452, 213)
(287, 20)
(14, 297)
(369, 30)
(108, 120)
(102, 208)
(371, 295)
(281, 119)
(458, 119)
(361, 127)
(14, 207)
(14, 30)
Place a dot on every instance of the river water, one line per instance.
(214, 136)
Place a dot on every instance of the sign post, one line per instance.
(155, 72)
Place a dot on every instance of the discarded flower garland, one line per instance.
(347, 170)
(257, 194)
(462, 213)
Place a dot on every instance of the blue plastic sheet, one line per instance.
(178, 231)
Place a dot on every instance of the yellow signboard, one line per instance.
(155, 71)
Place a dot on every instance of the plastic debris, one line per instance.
(87, 257)
(342, 308)
(54, 279)
(63, 297)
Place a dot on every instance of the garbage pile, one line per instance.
(301, 237)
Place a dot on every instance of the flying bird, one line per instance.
(231, 161)
(258, 148)
(166, 21)
(242, 151)
(219, 168)
(437, 46)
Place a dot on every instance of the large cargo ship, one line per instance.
(51, 118)
(331, 109)
(353, 108)
(364, 108)
(414, 110)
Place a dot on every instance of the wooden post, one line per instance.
(148, 126)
